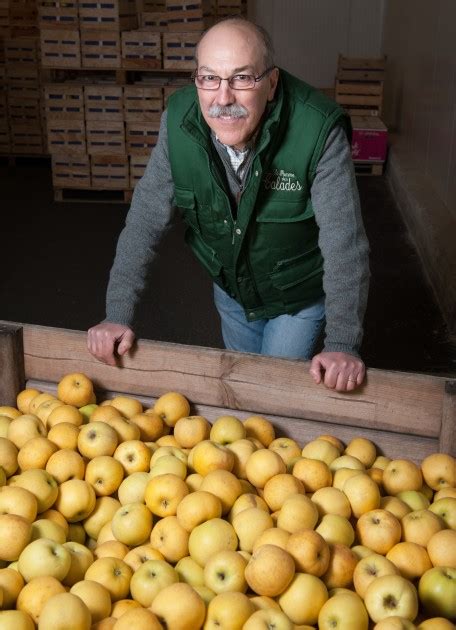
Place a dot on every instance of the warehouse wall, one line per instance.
(420, 106)
(309, 34)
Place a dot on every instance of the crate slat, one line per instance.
(26, 139)
(142, 103)
(141, 138)
(103, 102)
(111, 15)
(110, 171)
(179, 50)
(24, 110)
(138, 165)
(23, 50)
(155, 21)
(60, 48)
(61, 14)
(141, 49)
(66, 136)
(105, 137)
(100, 49)
(71, 172)
(65, 101)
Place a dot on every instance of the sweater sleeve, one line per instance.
(343, 243)
(150, 215)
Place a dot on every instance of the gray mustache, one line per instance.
(235, 111)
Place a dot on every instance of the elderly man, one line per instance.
(259, 165)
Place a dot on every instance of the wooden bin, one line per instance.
(225, 8)
(63, 100)
(70, 171)
(138, 164)
(141, 137)
(186, 16)
(155, 21)
(111, 15)
(103, 102)
(62, 14)
(404, 414)
(105, 137)
(359, 85)
(60, 48)
(24, 111)
(179, 50)
(100, 49)
(66, 136)
(142, 104)
(110, 172)
(22, 50)
(26, 139)
(23, 14)
(23, 80)
(141, 49)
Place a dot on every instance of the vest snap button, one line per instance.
(238, 231)
(256, 173)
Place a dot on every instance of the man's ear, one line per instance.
(273, 80)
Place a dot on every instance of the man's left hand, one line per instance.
(338, 370)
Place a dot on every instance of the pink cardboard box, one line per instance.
(369, 140)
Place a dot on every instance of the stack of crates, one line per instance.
(359, 89)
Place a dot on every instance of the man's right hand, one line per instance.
(107, 339)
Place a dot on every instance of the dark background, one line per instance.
(55, 260)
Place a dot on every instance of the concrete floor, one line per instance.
(56, 259)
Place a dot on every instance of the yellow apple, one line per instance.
(190, 430)
(268, 618)
(56, 517)
(402, 474)
(44, 557)
(95, 596)
(369, 568)
(391, 595)
(321, 449)
(64, 413)
(20, 501)
(259, 428)
(139, 619)
(104, 473)
(270, 570)
(245, 501)
(225, 571)
(303, 599)
(81, 559)
(190, 571)
(105, 413)
(394, 623)
(228, 611)
(343, 611)
(8, 456)
(151, 578)
(97, 438)
(5, 421)
(342, 563)
(65, 611)
(336, 529)
(111, 549)
(127, 405)
(133, 488)
(242, 450)
(24, 428)
(171, 407)
(208, 455)
(272, 536)
(11, 583)
(65, 435)
(379, 530)
(224, 485)
(150, 426)
(227, 429)
(297, 511)
(45, 528)
(436, 623)
(132, 524)
(25, 397)
(395, 505)
(262, 465)
(113, 573)
(310, 552)
(168, 464)
(437, 591)
(198, 507)
(210, 537)
(446, 509)
(441, 548)
(287, 448)
(415, 499)
(102, 513)
(419, 526)
(15, 534)
(363, 494)
(41, 484)
(363, 449)
(180, 607)
(164, 493)
(411, 559)
(439, 471)
(170, 538)
(65, 464)
(75, 389)
(314, 473)
(76, 500)
(134, 456)
(279, 488)
(15, 620)
(35, 594)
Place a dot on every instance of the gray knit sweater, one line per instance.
(342, 240)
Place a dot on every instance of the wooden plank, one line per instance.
(389, 401)
(12, 378)
(448, 430)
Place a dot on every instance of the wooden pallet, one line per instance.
(71, 172)
(402, 413)
(369, 168)
(92, 195)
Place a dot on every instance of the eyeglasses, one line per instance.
(236, 82)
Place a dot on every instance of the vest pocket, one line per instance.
(206, 255)
(290, 273)
(185, 201)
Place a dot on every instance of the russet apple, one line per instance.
(190, 430)
(64, 413)
(314, 473)
(441, 548)
(65, 435)
(279, 488)
(139, 619)
(75, 500)
(341, 565)
(11, 583)
(19, 501)
(25, 397)
(310, 551)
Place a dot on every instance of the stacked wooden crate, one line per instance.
(359, 89)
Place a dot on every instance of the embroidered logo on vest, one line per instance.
(281, 180)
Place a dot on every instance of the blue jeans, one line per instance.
(288, 336)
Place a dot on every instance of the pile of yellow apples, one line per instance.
(117, 516)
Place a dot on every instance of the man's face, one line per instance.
(227, 50)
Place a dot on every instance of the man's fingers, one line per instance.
(315, 369)
(126, 342)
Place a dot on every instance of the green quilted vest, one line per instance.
(267, 257)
